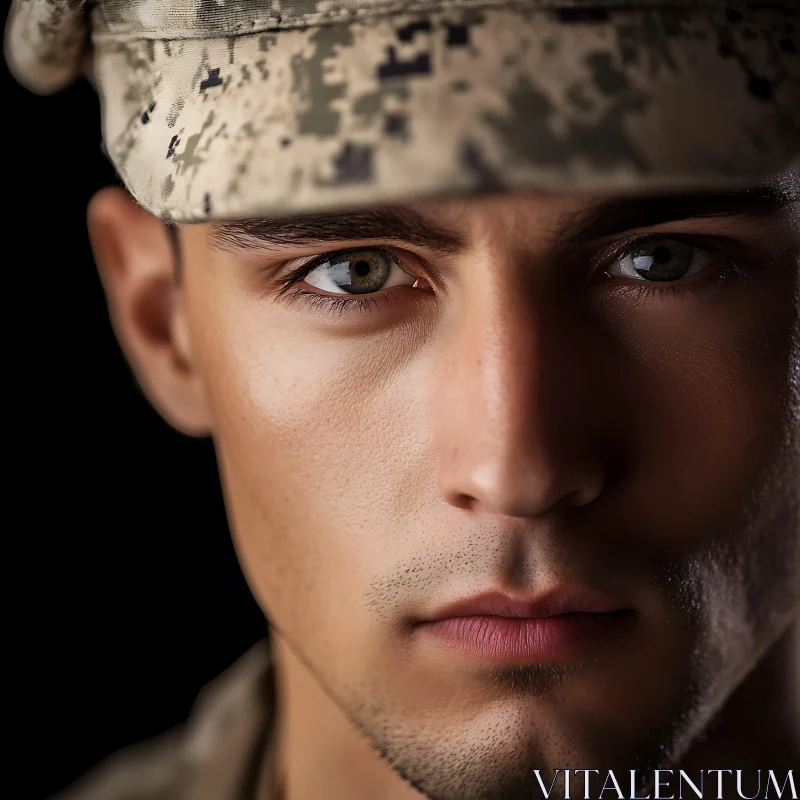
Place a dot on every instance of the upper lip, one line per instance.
(561, 600)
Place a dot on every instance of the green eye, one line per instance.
(357, 272)
(661, 260)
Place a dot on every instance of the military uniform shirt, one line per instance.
(223, 752)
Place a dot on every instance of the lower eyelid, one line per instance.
(710, 279)
(343, 303)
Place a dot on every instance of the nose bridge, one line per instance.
(503, 422)
(497, 357)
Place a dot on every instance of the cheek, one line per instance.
(709, 398)
(314, 439)
(710, 394)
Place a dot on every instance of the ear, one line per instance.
(137, 264)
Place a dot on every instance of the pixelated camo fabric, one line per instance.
(220, 109)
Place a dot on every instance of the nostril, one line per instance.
(581, 497)
(464, 501)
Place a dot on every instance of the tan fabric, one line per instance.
(45, 41)
(218, 755)
(237, 108)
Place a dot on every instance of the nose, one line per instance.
(514, 408)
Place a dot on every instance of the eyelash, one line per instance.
(290, 292)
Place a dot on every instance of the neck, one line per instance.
(759, 726)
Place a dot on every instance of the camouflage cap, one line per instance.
(218, 109)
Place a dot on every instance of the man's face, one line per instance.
(585, 401)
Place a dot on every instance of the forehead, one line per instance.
(505, 209)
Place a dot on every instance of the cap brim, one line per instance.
(412, 106)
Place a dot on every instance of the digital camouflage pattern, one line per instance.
(218, 755)
(215, 109)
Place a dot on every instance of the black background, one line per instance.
(126, 593)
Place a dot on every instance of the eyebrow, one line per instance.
(398, 223)
(602, 219)
(615, 215)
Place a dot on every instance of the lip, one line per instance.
(561, 600)
(559, 625)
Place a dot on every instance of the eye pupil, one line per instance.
(362, 269)
(662, 255)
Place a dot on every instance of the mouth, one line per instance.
(562, 625)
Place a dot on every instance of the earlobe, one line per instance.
(136, 262)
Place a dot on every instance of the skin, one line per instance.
(516, 421)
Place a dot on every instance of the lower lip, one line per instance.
(541, 639)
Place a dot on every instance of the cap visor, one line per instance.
(412, 105)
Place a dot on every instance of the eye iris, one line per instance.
(359, 272)
(662, 262)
